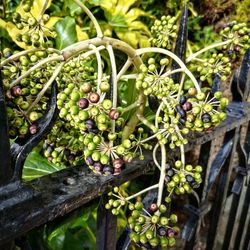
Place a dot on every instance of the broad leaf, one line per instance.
(36, 166)
(66, 32)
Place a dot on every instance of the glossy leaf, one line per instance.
(36, 166)
(66, 32)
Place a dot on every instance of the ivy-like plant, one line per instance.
(97, 128)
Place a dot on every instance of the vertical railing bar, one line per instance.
(247, 236)
(230, 228)
(106, 227)
(242, 220)
(220, 199)
(204, 157)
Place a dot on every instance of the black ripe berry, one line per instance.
(83, 103)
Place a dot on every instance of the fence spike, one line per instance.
(20, 149)
(181, 42)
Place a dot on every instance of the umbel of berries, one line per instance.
(152, 228)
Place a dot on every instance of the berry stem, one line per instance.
(174, 57)
(46, 86)
(154, 156)
(99, 66)
(43, 10)
(191, 57)
(36, 66)
(124, 68)
(163, 173)
(142, 192)
(25, 52)
(91, 16)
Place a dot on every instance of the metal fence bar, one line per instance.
(106, 227)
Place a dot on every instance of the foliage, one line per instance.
(111, 109)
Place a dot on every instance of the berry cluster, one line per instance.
(239, 33)
(156, 82)
(216, 65)
(152, 228)
(21, 96)
(203, 111)
(33, 31)
(182, 179)
(164, 32)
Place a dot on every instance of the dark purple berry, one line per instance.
(180, 110)
(16, 91)
(153, 207)
(89, 161)
(71, 157)
(187, 106)
(98, 166)
(171, 233)
(162, 231)
(182, 100)
(89, 124)
(170, 172)
(108, 169)
(94, 97)
(83, 103)
(167, 179)
(206, 118)
(33, 129)
(50, 149)
(189, 178)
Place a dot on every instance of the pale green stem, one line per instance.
(142, 192)
(162, 176)
(92, 18)
(36, 66)
(25, 52)
(206, 49)
(114, 74)
(124, 68)
(181, 85)
(182, 155)
(42, 12)
(147, 123)
(131, 106)
(46, 86)
(114, 80)
(99, 66)
(171, 72)
(154, 156)
(158, 114)
(130, 76)
(175, 58)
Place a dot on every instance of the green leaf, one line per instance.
(36, 166)
(66, 32)
(74, 8)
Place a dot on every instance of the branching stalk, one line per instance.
(174, 57)
(142, 192)
(162, 176)
(46, 86)
(191, 57)
(99, 66)
(36, 66)
(91, 16)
